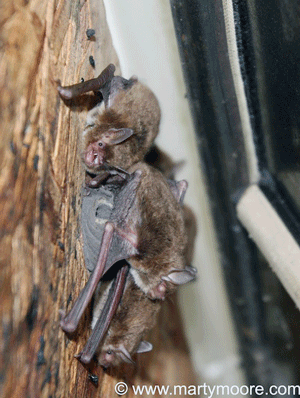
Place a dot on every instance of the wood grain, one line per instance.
(42, 267)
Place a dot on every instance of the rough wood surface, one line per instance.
(42, 267)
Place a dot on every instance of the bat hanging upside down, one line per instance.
(146, 229)
(145, 226)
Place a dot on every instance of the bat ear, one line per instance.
(116, 136)
(181, 276)
(178, 189)
(144, 346)
(124, 355)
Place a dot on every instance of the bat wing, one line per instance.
(118, 242)
(109, 310)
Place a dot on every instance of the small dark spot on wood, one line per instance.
(92, 61)
(16, 166)
(61, 245)
(26, 145)
(73, 203)
(42, 202)
(56, 374)
(69, 299)
(32, 311)
(93, 379)
(40, 355)
(6, 330)
(90, 33)
(75, 254)
(36, 162)
(47, 378)
(82, 80)
(41, 135)
(13, 147)
(53, 128)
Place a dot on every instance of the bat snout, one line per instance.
(94, 156)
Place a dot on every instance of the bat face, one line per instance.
(100, 151)
(121, 130)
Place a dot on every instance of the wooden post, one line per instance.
(42, 265)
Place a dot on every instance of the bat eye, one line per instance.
(100, 144)
(109, 352)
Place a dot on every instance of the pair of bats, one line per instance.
(132, 221)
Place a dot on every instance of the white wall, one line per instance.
(144, 39)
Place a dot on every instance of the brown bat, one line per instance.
(121, 129)
(118, 134)
(146, 228)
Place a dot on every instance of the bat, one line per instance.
(121, 129)
(145, 228)
(137, 314)
(118, 134)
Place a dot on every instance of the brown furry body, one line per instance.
(157, 221)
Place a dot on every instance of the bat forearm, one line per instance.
(70, 322)
(110, 307)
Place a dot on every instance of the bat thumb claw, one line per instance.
(77, 356)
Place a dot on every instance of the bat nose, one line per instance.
(91, 158)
